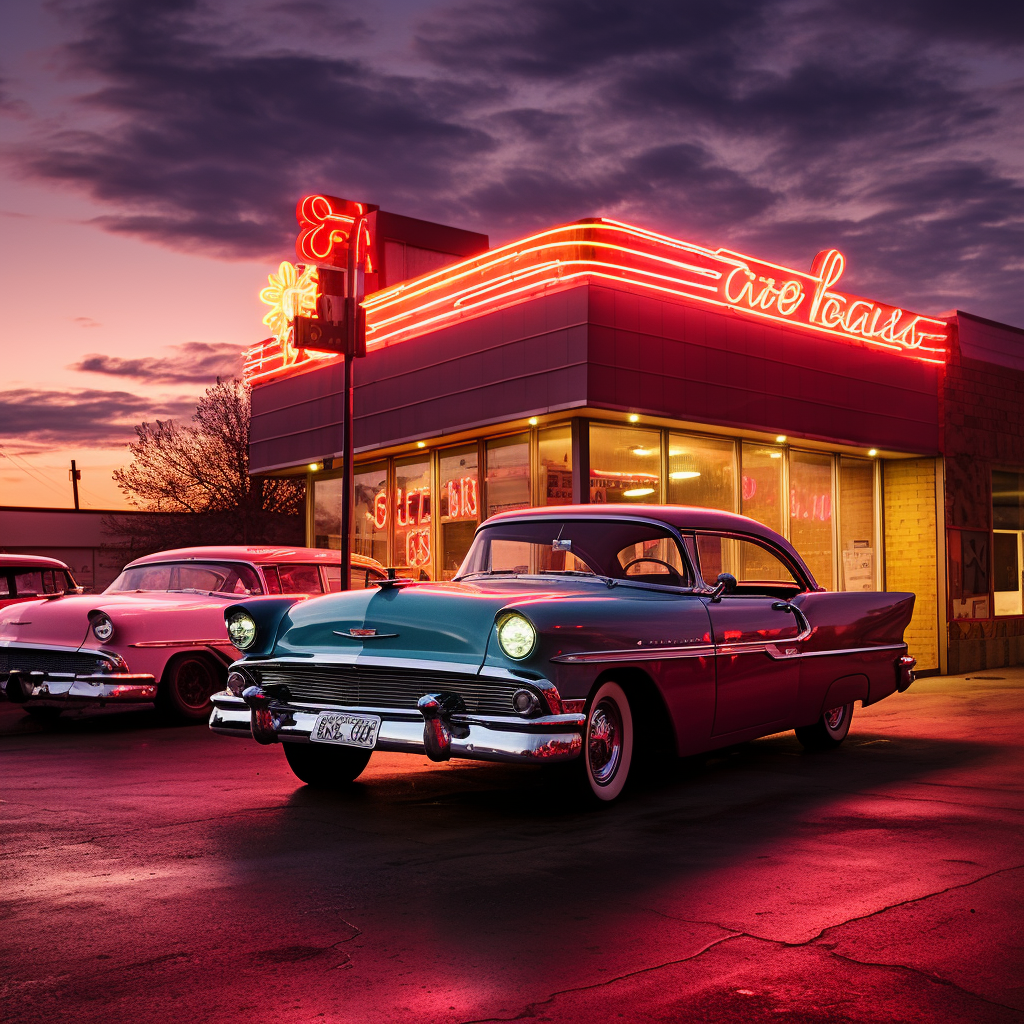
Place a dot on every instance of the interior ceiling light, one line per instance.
(638, 492)
(775, 455)
(643, 451)
(684, 474)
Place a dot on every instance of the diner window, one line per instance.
(300, 579)
(413, 517)
(327, 512)
(858, 558)
(554, 449)
(370, 511)
(761, 484)
(810, 513)
(702, 472)
(1008, 542)
(508, 474)
(625, 465)
(968, 574)
(460, 505)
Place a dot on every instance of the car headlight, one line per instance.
(516, 636)
(242, 630)
(102, 628)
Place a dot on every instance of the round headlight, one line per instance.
(242, 630)
(516, 636)
(102, 628)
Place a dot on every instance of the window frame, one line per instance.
(799, 575)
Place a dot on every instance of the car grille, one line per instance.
(372, 686)
(29, 659)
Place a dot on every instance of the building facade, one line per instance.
(598, 362)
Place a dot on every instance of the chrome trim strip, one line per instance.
(639, 654)
(364, 636)
(183, 643)
(828, 654)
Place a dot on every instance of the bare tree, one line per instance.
(197, 475)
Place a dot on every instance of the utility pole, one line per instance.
(76, 475)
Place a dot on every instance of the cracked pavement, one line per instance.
(163, 873)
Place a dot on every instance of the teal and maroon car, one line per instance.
(584, 634)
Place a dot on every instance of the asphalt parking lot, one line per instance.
(166, 874)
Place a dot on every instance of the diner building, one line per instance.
(599, 362)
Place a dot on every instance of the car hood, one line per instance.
(449, 622)
(64, 621)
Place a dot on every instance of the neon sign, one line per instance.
(654, 264)
(289, 293)
(325, 229)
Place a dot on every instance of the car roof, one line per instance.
(30, 562)
(682, 517)
(262, 555)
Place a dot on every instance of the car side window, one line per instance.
(272, 579)
(5, 585)
(758, 570)
(655, 561)
(300, 579)
(359, 579)
(28, 584)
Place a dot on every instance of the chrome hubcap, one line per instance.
(834, 718)
(604, 742)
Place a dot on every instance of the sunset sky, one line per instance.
(152, 153)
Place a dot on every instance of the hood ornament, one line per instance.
(363, 634)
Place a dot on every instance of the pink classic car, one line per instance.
(157, 633)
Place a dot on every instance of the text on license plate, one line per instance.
(348, 730)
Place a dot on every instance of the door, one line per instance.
(754, 686)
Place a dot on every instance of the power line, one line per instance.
(26, 468)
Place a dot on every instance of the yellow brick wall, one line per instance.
(908, 496)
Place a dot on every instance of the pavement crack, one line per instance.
(928, 975)
(528, 1010)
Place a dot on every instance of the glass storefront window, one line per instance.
(810, 512)
(761, 485)
(625, 465)
(701, 471)
(370, 512)
(508, 474)
(858, 565)
(555, 456)
(412, 512)
(968, 573)
(1008, 542)
(460, 505)
(327, 513)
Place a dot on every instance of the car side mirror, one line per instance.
(725, 584)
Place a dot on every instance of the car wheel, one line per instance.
(603, 766)
(44, 714)
(828, 731)
(187, 685)
(324, 767)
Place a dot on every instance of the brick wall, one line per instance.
(908, 490)
(983, 429)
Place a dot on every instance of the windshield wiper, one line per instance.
(487, 572)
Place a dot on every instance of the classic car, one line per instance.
(30, 577)
(156, 634)
(583, 634)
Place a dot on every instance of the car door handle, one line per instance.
(783, 606)
(801, 620)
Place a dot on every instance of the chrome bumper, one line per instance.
(475, 737)
(59, 689)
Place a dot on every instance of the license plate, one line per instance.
(346, 730)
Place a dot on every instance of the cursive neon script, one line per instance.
(811, 299)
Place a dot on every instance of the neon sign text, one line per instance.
(649, 263)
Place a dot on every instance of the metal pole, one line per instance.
(347, 475)
(75, 474)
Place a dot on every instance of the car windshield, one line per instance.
(206, 577)
(617, 549)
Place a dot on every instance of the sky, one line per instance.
(152, 151)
